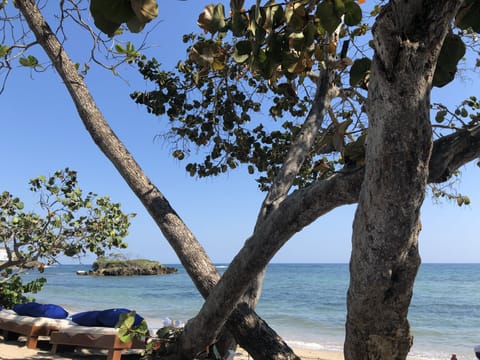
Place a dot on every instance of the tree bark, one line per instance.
(452, 151)
(385, 258)
(249, 330)
(215, 314)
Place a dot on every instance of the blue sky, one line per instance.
(41, 132)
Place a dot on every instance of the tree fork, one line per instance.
(190, 252)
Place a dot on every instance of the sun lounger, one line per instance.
(93, 337)
(63, 332)
(31, 327)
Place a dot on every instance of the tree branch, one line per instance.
(302, 145)
(190, 252)
(452, 151)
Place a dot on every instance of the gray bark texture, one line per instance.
(245, 273)
(385, 259)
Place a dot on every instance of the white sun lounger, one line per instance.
(93, 337)
(12, 324)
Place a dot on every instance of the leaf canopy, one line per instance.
(109, 15)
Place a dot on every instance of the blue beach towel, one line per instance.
(87, 318)
(41, 310)
(105, 318)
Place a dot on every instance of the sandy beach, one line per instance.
(16, 350)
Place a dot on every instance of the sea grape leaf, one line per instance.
(219, 17)
(239, 23)
(236, 5)
(126, 319)
(212, 19)
(205, 53)
(297, 41)
(242, 51)
(295, 18)
(104, 25)
(145, 10)
(339, 6)
(338, 136)
(440, 116)
(125, 336)
(358, 70)
(135, 25)
(353, 13)
(354, 152)
(328, 16)
(452, 51)
(309, 34)
(277, 16)
(108, 15)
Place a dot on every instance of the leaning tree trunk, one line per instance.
(385, 259)
(297, 211)
(249, 330)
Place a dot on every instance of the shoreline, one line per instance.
(16, 350)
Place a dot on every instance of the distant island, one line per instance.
(115, 266)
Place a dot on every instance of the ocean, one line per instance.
(304, 303)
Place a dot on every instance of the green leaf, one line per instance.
(309, 34)
(219, 17)
(125, 335)
(135, 25)
(460, 201)
(145, 10)
(452, 51)
(119, 49)
(142, 328)
(242, 51)
(4, 50)
(239, 23)
(440, 117)
(212, 19)
(260, 14)
(106, 26)
(358, 70)
(164, 332)
(339, 7)
(126, 320)
(30, 61)
(236, 5)
(108, 15)
(203, 53)
(328, 16)
(179, 154)
(295, 18)
(353, 13)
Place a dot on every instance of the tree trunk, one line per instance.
(245, 272)
(385, 257)
(249, 330)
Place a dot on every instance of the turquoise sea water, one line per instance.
(304, 303)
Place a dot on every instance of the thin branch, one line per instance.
(303, 143)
